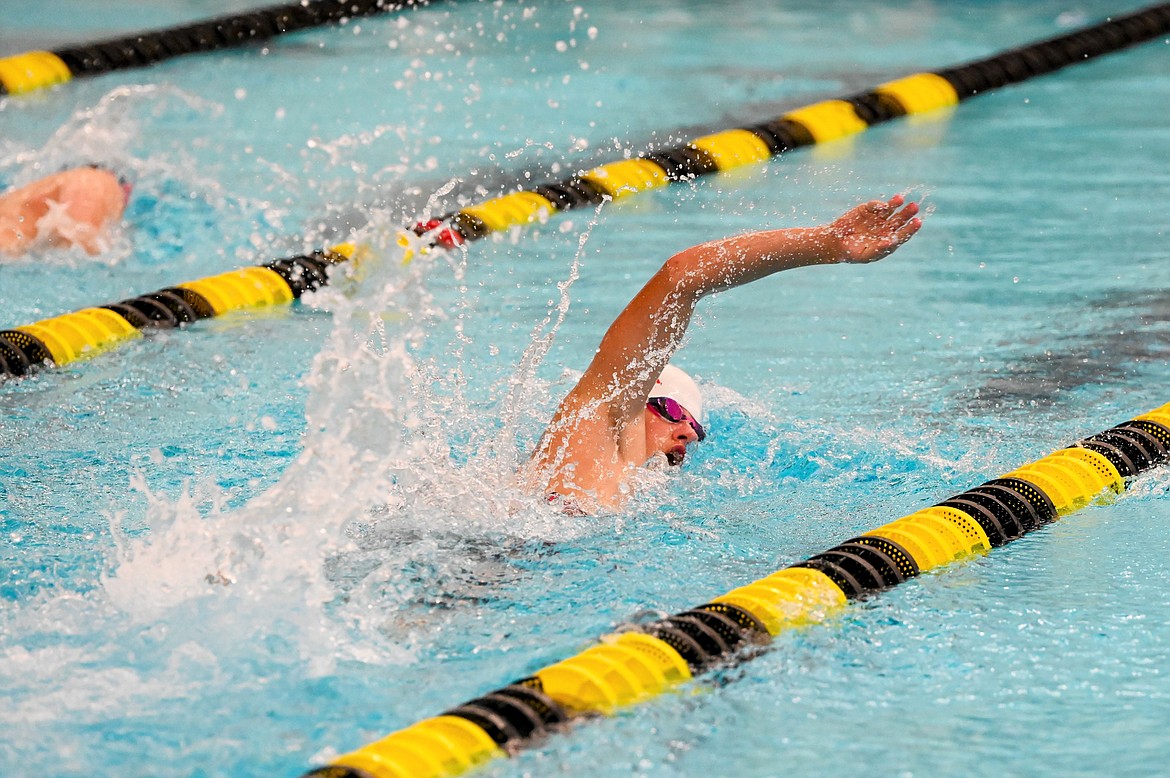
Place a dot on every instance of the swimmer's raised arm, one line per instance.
(607, 423)
(644, 336)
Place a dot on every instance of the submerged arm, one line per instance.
(81, 201)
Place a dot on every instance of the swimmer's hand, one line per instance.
(873, 230)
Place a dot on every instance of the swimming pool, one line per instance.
(240, 548)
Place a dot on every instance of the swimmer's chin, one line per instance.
(664, 459)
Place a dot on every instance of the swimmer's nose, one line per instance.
(685, 432)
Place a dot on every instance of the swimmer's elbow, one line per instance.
(685, 274)
(680, 272)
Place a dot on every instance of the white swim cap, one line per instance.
(680, 387)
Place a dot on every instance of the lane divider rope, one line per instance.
(63, 339)
(34, 70)
(818, 123)
(85, 333)
(632, 666)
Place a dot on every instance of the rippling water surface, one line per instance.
(247, 546)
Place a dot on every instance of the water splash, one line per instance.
(111, 133)
(404, 490)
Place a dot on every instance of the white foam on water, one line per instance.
(405, 462)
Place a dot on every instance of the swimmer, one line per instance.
(75, 207)
(630, 406)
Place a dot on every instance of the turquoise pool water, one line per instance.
(244, 547)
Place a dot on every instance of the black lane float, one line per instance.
(817, 123)
(629, 667)
(89, 331)
(24, 347)
(35, 70)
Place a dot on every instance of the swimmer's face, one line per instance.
(667, 437)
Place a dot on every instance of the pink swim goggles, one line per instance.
(674, 413)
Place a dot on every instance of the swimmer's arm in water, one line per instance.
(94, 201)
(18, 221)
(646, 333)
(12, 239)
(72, 207)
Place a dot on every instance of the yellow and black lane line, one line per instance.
(87, 332)
(35, 70)
(632, 666)
(628, 667)
(818, 123)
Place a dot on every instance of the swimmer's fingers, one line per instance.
(876, 214)
(904, 223)
(899, 215)
(902, 227)
(887, 208)
(904, 233)
(874, 229)
(891, 211)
